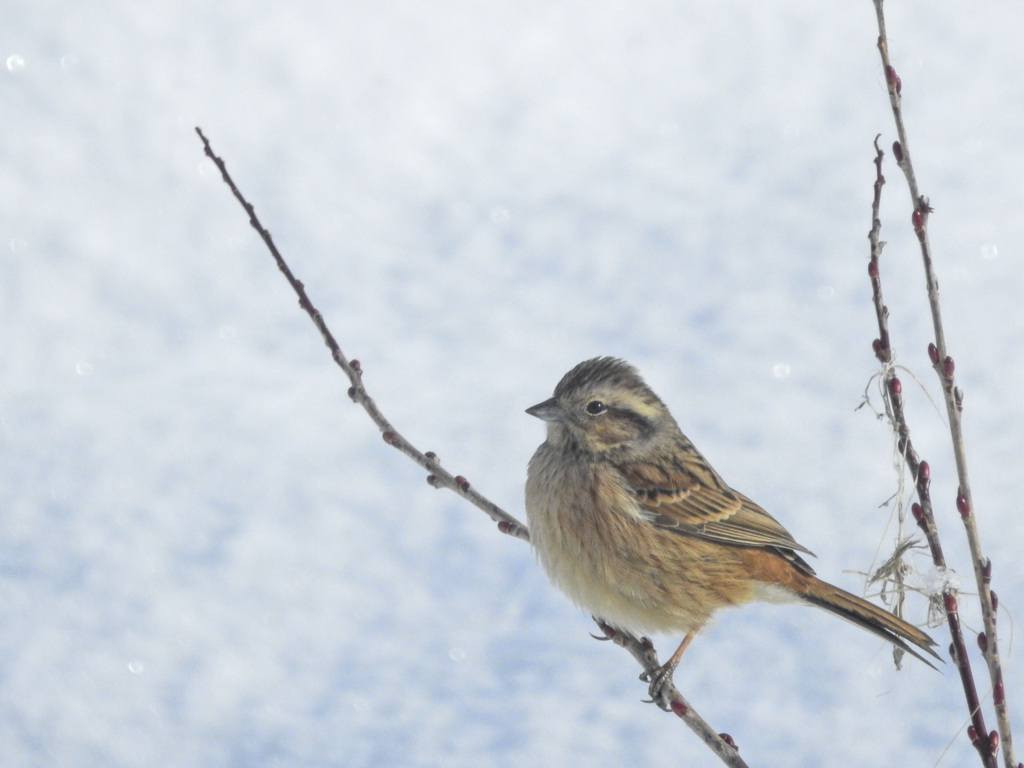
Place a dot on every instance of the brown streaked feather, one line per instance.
(688, 496)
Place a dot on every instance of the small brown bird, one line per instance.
(632, 523)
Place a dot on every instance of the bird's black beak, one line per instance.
(549, 410)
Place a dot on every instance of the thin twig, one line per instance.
(944, 367)
(438, 477)
(671, 700)
(892, 390)
(643, 650)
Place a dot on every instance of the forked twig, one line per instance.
(892, 390)
(641, 649)
(986, 743)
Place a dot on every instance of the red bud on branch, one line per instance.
(893, 79)
(961, 504)
(948, 367)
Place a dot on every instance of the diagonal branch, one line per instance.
(641, 649)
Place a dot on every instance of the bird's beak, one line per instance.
(549, 410)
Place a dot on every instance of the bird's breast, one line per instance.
(595, 544)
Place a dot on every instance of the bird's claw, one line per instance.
(658, 681)
(609, 633)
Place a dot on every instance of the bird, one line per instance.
(634, 525)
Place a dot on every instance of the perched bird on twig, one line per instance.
(633, 524)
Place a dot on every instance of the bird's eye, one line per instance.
(595, 407)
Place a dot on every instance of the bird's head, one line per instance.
(603, 408)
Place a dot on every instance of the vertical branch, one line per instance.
(921, 472)
(944, 367)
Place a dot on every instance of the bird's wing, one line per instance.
(683, 493)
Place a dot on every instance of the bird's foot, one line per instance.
(659, 681)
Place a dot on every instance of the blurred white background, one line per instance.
(207, 554)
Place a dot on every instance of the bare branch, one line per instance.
(438, 477)
(892, 390)
(671, 700)
(986, 743)
(642, 650)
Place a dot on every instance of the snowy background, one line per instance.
(208, 557)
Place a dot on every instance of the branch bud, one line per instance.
(893, 79)
(679, 708)
(933, 353)
(983, 641)
(389, 437)
(873, 268)
(998, 694)
(961, 504)
(728, 740)
(356, 366)
(917, 219)
(462, 482)
(895, 387)
(995, 601)
(897, 151)
(986, 571)
(924, 471)
(948, 367)
(993, 741)
(950, 602)
(972, 734)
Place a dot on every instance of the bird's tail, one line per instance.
(867, 615)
